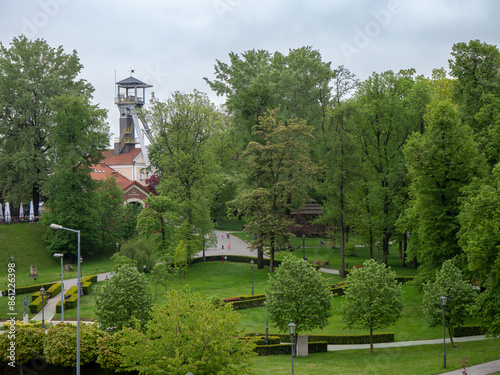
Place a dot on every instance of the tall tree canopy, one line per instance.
(31, 74)
(386, 117)
(282, 171)
(441, 162)
(185, 128)
(78, 133)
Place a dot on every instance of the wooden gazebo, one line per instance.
(304, 217)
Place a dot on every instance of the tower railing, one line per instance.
(129, 100)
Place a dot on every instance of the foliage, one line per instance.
(28, 342)
(140, 249)
(195, 336)
(185, 129)
(386, 115)
(127, 294)
(73, 200)
(59, 346)
(283, 172)
(475, 65)
(180, 258)
(111, 212)
(298, 292)
(479, 236)
(161, 216)
(130, 217)
(441, 162)
(373, 298)
(458, 292)
(109, 348)
(31, 74)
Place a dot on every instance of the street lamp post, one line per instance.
(378, 252)
(42, 293)
(304, 246)
(59, 255)
(291, 327)
(251, 263)
(443, 304)
(79, 281)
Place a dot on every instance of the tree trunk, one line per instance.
(260, 258)
(342, 247)
(371, 340)
(271, 261)
(451, 337)
(405, 247)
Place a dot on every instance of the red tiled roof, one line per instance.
(102, 171)
(122, 159)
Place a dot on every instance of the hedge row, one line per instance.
(234, 258)
(470, 330)
(36, 306)
(261, 340)
(339, 339)
(29, 288)
(54, 290)
(72, 301)
(314, 347)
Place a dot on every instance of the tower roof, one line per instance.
(132, 82)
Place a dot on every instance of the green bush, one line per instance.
(261, 340)
(91, 278)
(87, 287)
(318, 347)
(273, 349)
(54, 290)
(470, 330)
(404, 279)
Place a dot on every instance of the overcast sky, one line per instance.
(173, 44)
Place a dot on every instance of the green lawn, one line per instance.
(315, 250)
(424, 359)
(232, 279)
(25, 243)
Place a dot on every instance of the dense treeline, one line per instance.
(397, 157)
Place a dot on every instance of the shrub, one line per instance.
(338, 339)
(469, 330)
(314, 347)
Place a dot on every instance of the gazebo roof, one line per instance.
(132, 82)
(311, 208)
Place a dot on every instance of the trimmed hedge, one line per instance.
(469, 330)
(314, 347)
(29, 288)
(261, 340)
(36, 306)
(234, 258)
(72, 301)
(339, 339)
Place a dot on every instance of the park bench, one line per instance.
(321, 263)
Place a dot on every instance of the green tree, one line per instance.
(185, 127)
(458, 292)
(180, 258)
(441, 162)
(31, 74)
(111, 211)
(194, 335)
(386, 116)
(373, 298)
(142, 250)
(73, 201)
(298, 292)
(127, 294)
(284, 173)
(340, 158)
(479, 237)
